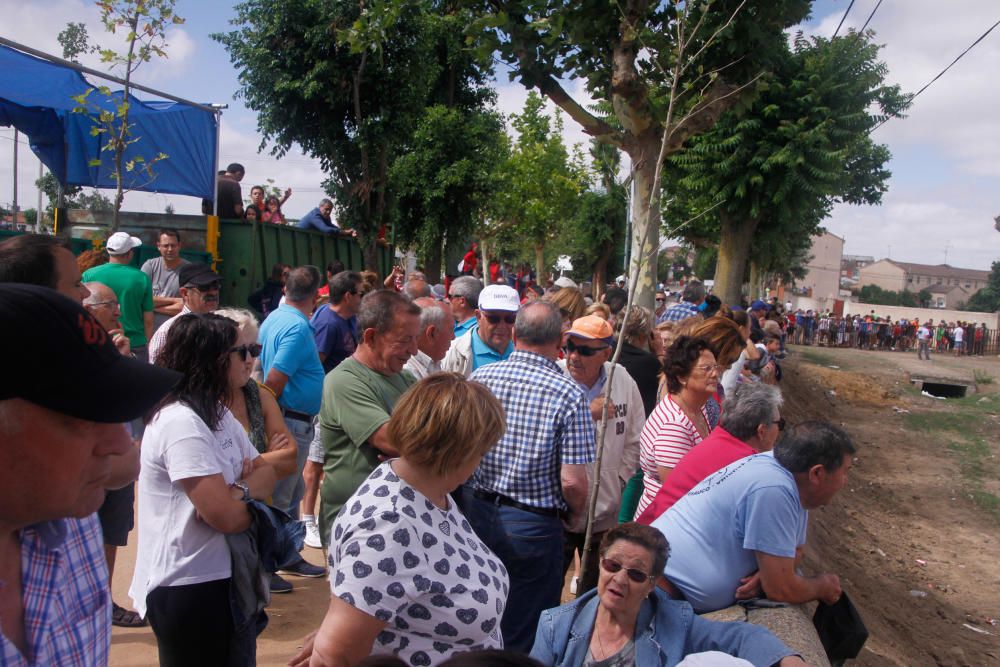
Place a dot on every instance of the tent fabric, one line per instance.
(36, 97)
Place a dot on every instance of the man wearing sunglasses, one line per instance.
(199, 289)
(750, 423)
(490, 339)
(587, 352)
(463, 295)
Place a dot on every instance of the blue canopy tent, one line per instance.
(36, 97)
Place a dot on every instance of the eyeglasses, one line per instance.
(253, 349)
(708, 369)
(780, 423)
(102, 303)
(613, 567)
(570, 348)
(495, 319)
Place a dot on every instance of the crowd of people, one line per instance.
(439, 442)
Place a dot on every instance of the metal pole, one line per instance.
(13, 217)
(215, 172)
(38, 210)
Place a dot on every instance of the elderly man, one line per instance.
(116, 514)
(359, 395)
(749, 520)
(691, 298)
(39, 259)
(320, 220)
(587, 354)
(463, 295)
(750, 424)
(489, 340)
(415, 288)
(132, 287)
(293, 372)
(199, 289)
(163, 273)
(436, 335)
(64, 428)
(536, 476)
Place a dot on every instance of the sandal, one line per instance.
(125, 618)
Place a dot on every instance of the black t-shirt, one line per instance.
(229, 196)
(644, 367)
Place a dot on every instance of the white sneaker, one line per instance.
(312, 534)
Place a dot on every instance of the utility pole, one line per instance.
(946, 244)
(13, 214)
(38, 206)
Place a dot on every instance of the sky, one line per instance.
(942, 196)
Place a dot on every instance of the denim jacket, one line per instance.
(666, 631)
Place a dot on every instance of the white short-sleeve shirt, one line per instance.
(175, 548)
(422, 570)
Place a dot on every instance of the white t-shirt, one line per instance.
(176, 548)
(421, 570)
(959, 334)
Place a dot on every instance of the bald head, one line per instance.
(103, 305)
(539, 329)
(416, 288)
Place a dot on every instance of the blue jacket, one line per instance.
(666, 631)
(315, 220)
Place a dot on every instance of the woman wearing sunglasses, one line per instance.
(628, 621)
(198, 470)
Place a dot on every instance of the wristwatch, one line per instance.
(245, 489)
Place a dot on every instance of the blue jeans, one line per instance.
(288, 492)
(530, 547)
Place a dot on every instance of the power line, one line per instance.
(941, 73)
(879, 4)
(842, 18)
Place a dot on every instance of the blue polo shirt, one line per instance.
(462, 327)
(483, 354)
(290, 347)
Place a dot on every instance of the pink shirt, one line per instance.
(667, 436)
(714, 453)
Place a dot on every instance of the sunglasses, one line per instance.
(253, 349)
(660, 300)
(495, 319)
(570, 348)
(780, 423)
(613, 567)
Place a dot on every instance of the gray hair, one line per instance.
(245, 320)
(538, 323)
(325, 202)
(379, 310)
(468, 287)
(432, 313)
(302, 283)
(414, 290)
(751, 405)
(94, 286)
(694, 292)
(813, 443)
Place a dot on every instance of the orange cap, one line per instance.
(592, 327)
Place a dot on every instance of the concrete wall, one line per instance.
(923, 314)
(885, 274)
(823, 276)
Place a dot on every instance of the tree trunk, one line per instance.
(734, 251)
(369, 252)
(540, 273)
(645, 219)
(756, 280)
(432, 264)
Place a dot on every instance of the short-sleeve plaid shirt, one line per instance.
(677, 312)
(548, 426)
(67, 605)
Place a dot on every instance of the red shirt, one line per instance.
(713, 453)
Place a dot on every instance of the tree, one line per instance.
(778, 166)
(145, 23)
(169, 209)
(667, 69)
(74, 41)
(73, 196)
(987, 299)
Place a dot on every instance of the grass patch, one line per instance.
(930, 422)
(818, 358)
(973, 455)
(982, 377)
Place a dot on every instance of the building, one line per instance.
(948, 296)
(850, 266)
(897, 276)
(822, 279)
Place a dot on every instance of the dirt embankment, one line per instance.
(919, 557)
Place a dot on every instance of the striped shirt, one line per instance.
(548, 426)
(667, 436)
(67, 604)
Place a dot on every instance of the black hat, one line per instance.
(197, 275)
(65, 361)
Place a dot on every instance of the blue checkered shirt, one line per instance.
(548, 426)
(677, 312)
(67, 604)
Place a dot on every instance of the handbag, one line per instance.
(840, 629)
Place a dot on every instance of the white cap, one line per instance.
(499, 297)
(120, 243)
(620, 279)
(565, 281)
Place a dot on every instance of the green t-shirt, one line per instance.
(356, 402)
(135, 296)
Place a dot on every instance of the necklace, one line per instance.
(696, 417)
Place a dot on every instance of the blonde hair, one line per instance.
(723, 337)
(444, 421)
(245, 320)
(638, 326)
(570, 302)
(599, 309)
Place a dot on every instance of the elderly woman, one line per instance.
(198, 470)
(408, 574)
(679, 421)
(726, 341)
(627, 620)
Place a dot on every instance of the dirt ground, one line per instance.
(913, 536)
